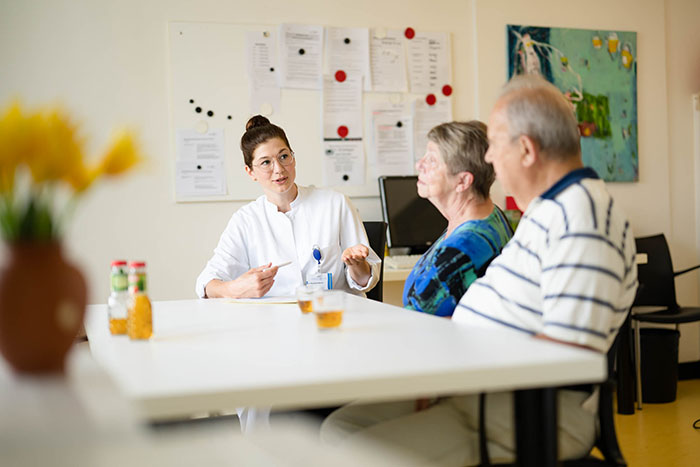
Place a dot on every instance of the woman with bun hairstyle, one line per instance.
(318, 232)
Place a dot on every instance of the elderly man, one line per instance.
(568, 275)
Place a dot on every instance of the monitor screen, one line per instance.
(413, 221)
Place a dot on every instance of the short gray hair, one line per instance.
(536, 108)
(463, 146)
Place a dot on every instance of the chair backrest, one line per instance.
(656, 279)
(376, 234)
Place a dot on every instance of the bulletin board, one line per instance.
(207, 70)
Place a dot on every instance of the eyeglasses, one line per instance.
(266, 164)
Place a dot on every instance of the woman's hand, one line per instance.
(355, 258)
(252, 284)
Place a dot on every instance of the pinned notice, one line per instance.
(200, 163)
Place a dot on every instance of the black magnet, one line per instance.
(347, 40)
(229, 117)
(198, 110)
(399, 124)
(191, 101)
(210, 113)
(302, 51)
(346, 178)
(272, 68)
(199, 167)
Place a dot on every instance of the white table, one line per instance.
(213, 355)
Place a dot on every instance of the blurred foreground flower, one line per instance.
(41, 158)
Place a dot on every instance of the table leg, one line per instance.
(536, 427)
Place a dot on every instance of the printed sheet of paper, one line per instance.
(388, 61)
(261, 57)
(342, 108)
(390, 139)
(200, 163)
(300, 56)
(425, 118)
(428, 56)
(343, 163)
(347, 49)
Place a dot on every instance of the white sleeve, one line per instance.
(230, 258)
(352, 232)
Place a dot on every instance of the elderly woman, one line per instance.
(455, 178)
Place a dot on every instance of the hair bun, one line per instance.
(256, 121)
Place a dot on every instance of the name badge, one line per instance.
(325, 280)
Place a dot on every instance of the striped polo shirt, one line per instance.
(568, 272)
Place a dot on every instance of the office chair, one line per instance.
(376, 234)
(606, 439)
(657, 289)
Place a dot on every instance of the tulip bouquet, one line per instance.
(43, 171)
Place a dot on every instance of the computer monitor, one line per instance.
(413, 222)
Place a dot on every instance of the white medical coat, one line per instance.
(258, 234)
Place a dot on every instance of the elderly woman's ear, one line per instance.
(466, 179)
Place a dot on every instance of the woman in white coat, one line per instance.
(318, 232)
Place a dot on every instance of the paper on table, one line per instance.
(347, 49)
(282, 300)
(388, 61)
(261, 55)
(428, 61)
(343, 163)
(200, 163)
(342, 108)
(300, 56)
(425, 118)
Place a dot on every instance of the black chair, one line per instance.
(606, 440)
(657, 289)
(376, 234)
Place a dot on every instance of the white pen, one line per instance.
(278, 265)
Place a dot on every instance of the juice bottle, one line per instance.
(117, 303)
(139, 324)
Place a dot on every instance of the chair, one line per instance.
(606, 440)
(657, 289)
(376, 234)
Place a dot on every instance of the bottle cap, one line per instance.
(119, 262)
(137, 264)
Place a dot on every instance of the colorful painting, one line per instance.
(597, 71)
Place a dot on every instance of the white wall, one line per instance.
(683, 80)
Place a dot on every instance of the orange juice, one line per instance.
(305, 305)
(139, 324)
(117, 325)
(329, 319)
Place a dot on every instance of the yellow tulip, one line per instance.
(121, 156)
(12, 144)
(55, 147)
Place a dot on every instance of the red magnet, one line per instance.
(340, 76)
(409, 33)
(343, 131)
(447, 89)
(430, 99)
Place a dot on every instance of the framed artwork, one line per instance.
(597, 71)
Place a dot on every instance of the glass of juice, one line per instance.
(328, 306)
(305, 296)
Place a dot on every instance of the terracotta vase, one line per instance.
(42, 304)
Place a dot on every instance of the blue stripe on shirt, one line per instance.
(576, 328)
(590, 200)
(584, 298)
(506, 299)
(491, 318)
(595, 237)
(518, 275)
(563, 213)
(584, 266)
(525, 249)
